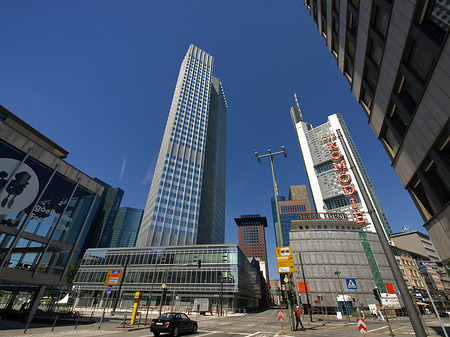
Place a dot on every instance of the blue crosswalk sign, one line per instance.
(351, 283)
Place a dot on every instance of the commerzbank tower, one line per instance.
(186, 202)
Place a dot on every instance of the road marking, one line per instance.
(254, 333)
(383, 327)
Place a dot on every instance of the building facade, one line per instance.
(129, 221)
(186, 201)
(46, 209)
(333, 250)
(420, 247)
(298, 202)
(395, 56)
(104, 229)
(327, 152)
(252, 239)
(224, 273)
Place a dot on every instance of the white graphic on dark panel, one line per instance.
(22, 188)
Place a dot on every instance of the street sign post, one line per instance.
(113, 276)
(285, 261)
(351, 283)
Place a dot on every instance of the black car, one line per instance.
(173, 323)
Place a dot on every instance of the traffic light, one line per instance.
(292, 297)
(283, 296)
(164, 292)
(376, 294)
(199, 263)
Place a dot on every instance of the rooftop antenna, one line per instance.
(298, 106)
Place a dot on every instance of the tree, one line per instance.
(73, 270)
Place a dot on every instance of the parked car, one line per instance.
(443, 313)
(173, 323)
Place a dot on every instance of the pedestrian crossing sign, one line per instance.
(351, 283)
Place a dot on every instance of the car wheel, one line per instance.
(194, 328)
(175, 332)
(156, 334)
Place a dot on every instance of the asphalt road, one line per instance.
(261, 324)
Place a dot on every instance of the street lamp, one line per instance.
(270, 154)
(338, 273)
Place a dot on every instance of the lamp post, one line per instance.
(270, 154)
(338, 273)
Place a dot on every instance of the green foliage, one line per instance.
(73, 270)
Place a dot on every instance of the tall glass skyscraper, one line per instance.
(186, 202)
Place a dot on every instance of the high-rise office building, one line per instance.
(186, 202)
(395, 55)
(128, 220)
(298, 202)
(327, 152)
(101, 233)
(252, 239)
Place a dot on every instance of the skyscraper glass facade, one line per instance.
(128, 220)
(186, 202)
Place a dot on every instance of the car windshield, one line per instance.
(166, 316)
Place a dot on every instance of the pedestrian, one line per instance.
(374, 314)
(362, 315)
(298, 319)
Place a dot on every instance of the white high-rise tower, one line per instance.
(327, 151)
(186, 202)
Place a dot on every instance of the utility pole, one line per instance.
(306, 288)
(280, 241)
(338, 273)
(403, 289)
(122, 278)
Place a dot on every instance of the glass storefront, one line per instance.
(224, 271)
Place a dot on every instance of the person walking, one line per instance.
(374, 314)
(298, 319)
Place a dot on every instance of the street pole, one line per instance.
(306, 288)
(280, 241)
(432, 302)
(120, 284)
(338, 273)
(403, 289)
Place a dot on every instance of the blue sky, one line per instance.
(97, 78)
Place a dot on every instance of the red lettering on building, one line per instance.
(333, 147)
(342, 166)
(345, 178)
(359, 217)
(336, 155)
(348, 190)
(353, 201)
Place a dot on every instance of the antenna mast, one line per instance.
(298, 106)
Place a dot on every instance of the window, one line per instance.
(381, 21)
(375, 52)
(420, 61)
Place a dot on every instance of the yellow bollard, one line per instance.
(137, 301)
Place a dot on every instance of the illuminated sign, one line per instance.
(322, 216)
(340, 167)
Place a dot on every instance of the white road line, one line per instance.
(254, 333)
(383, 327)
(207, 333)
